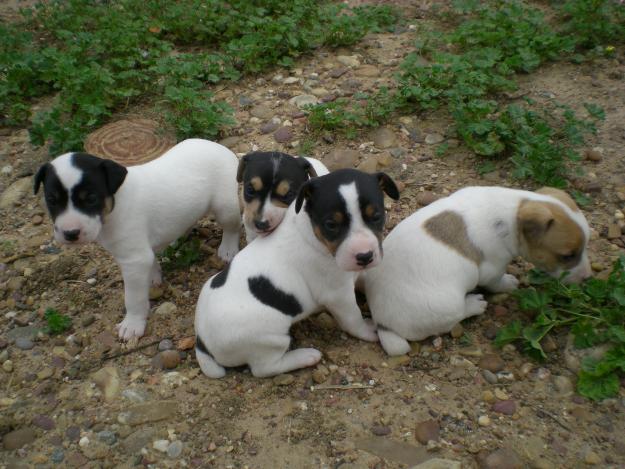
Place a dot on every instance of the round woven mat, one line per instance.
(129, 142)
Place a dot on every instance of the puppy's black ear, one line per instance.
(114, 173)
(40, 176)
(387, 185)
(304, 194)
(241, 169)
(306, 166)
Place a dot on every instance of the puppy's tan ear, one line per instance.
(534, 219)
(560, 195)
(242, 163)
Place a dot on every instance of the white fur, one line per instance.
(274, 214)
(157, 203)
(420, 288)
(238, 329)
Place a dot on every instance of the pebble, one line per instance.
(439, 463)
(3, 343)
(107, 379)
(319, 375)
(501, 394)
(16, 192)
(490, 377)
(7, 366)
(165, 344)
(471, 352)
(161, 445)
(87, 321)
(491, 362)
(166, 360)
(291, 80)
(338, 72)
(614, 231)
(24, 343)
(107, 437)
(380, 430)
(483, 421)
(341, 158)
(368, 165)
(283, 380)
(397, 361)
(563, 385)
(283, 135)
(502, 459)
(592, 459)
(57, 455)
(44, 422)
(18, 438)
(433, 139)
(348, 60)
(165, 309)
(426, 198)
(148, 412)
(72, 433)
(269, 127)
(457, 331)
(175, 449)
(91, 281)
(84, 441)
(593, 155)
(261, 112)
(507, 407)
(37, 220)
(383, 137)
(427, 430)
(304, 100)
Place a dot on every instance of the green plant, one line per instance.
(595, 314)
(592, 23)
(182, 253)
(56, 323)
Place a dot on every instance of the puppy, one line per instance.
(270, 183)
(137, 211)
(443, 251)
(244, 313)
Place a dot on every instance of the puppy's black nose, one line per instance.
(261, 225)
(71, 235)
(364, 258)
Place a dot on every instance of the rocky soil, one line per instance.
(82, 399)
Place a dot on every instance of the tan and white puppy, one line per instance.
(433, 258)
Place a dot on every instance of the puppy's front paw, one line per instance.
(508, 283)
(475, 304)
(131, 327)
(367, 331)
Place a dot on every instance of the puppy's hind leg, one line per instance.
(155, 274)
(474, 305)
(208, 365)
(270, 358)
(392, 343)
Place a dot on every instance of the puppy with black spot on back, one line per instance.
(435, 257)
(271, 181)
(332, 232)
(136, 211)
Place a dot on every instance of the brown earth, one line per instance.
(359, 409)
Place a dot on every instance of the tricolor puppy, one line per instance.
(137, 211)
(271, 181)
(244, 313)
(443, 251)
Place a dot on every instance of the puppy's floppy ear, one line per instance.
(304, 193)
(40, 176)
(387, 185)
(114, 173)
(306, 166)
(534, 219)
(241, 168)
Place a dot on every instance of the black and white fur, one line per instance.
(244, 313)
(271, 181)
(137, 211)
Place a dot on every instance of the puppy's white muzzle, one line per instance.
(71, 227)
(359, 252)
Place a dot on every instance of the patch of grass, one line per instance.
(56, 323)
(99, 57)
(183, 253)
(595, 314)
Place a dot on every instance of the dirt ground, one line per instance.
(76, 400)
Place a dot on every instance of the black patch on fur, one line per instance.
(199, 345)
(219, 280)
(273, 168)
(55, 193)
(267, 293)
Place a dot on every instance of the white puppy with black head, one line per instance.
(137, 211)
(244, 313)
(433, 258)
(271, 180)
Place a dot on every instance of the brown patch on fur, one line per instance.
(109, 203)
(282, 188)
(332, 246)
(257, 183)
(338, 217)
(250, 210)
(449, 228)
(369, 210)
(279, 203)
(547, 233)
(560, 195)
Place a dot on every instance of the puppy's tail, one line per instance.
(392, 343)
(207, 363)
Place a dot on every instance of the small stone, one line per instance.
(563, 385)
(385, 160)
(37, 220)
(474, 352)
(341, 158)
(490, 377)
(148, 412)
(383, 137)
(381, 430)
(7, 366)
(57, 455)
(166, 360)
(175, 449)
(161, 445)
(186, 343)
(433, 139)
(593, 155)
(457, 331)
(427, 430)
(597, 266)
(269, 127)
(368, 165)
(507, 407)
(304, 100)
(592, 459)
(24, 343)
(88, 320)
(75, 459)
(107, 379)
(283, 135)
(44, 422)
(397, 361)
(107, 437)
(439, 463)
(261, 112)
(491, 362)
(72, 433)
(155, 293)
(283, 380)
(348, 60)
(426, 198)
(319, 376)
(500, 311)
(3, 343)
(483, 421)
(614, 231)
(502, 459)
(488, 396)
(501, 394)
(165, 344)
(91, 281)
(338, 72)
(290, 80)
(16, 192)
(165, 309)
(18, 438)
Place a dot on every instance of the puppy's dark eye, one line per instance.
(249, 190)
(567, 257)
(331, 226)
(91, 199)
(376, 217)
